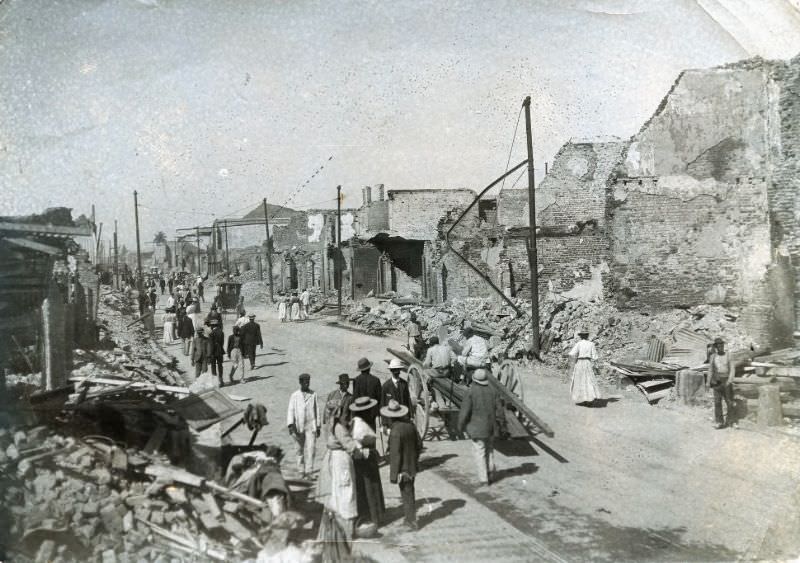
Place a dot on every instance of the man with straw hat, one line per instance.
(404, 450)
(337, 397)
(480, 416)
(395, 388)
(367, 385)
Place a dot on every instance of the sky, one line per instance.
(206, 107)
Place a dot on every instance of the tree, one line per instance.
(160, 238)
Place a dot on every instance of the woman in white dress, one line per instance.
(584, 387)
(169, 325)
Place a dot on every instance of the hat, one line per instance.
(251, 316)
(213, 321)
(583, 330)
(362, 404)
(364, 364)
(394, 410)
(719, 340)
(196, 300)
(343, 378)
(480, 376)
(396, 364)
(304, 377)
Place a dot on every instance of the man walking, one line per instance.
(335, 398)
(404, 450)
(185, 330)
(480, 416)
(217, 341)
(367, 385)
(251, 337)
(235, 354)
(305, 301)
(162, 284)
(721, 370)
(302, 419)
(395, 388)
(201, 353)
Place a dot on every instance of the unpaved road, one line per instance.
(624, 482)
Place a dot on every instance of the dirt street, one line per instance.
(626, 481)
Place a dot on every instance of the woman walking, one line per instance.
(369, 491)
(169, 325)
(336, 486)
(282, 306)
(295, 314)
(584, 389)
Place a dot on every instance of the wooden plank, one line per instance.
(34, 245)
(134, 384)
(520, 406)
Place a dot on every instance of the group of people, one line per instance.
(362, 428)
(294, 307)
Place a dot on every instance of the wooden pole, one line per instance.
(199, 271)
(322, 281)
(138, 245)
(533, 262)
(269, 253)
(339, 246)
(116, 257)
(227, 256)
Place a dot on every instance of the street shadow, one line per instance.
(251, 379)
(601, 403)
(271, 365)
(442, 511)
(270, 354)
(524, 469)
(431, 462)
(516, 447)
(550, 451)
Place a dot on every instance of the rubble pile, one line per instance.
(255, 292)
(90, 499)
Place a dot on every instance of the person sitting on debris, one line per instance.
(414, 340)
(303, 421)
(480, 417)
(405, 446)
(201, 352)
(721, 371)
(217, 339)
(251, 337)
(474, 354)
(336, 398)
(584, 389)
(235, 354)
(439, 357)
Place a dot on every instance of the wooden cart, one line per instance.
(423, 383)
(228, 296)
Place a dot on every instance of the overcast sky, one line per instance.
(205, 107)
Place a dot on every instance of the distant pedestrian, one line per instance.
(480, 417)
(305, 301)
(295, 315)
(405, 446)
(240, 310)
(583, 389)
(213, 315)
(201, 352)
(241, 321)
(303, 421)
(251, 337)
(475, 352)
(367, 385)
(336, 398)
(282, 306)
(369, 491)
(415, 342)
(217, 339)
(200, 289)
(721, 371)
(162, 283)
(185, 331)
(169, 326)
(171, 282)
(235, 353)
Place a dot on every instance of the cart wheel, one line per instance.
(420, 400)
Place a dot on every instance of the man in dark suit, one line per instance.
(480, 415)
(396, 388)
(251, 337)
(404, 450)
(367, 385)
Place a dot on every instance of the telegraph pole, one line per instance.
(339, 247)
(197, 230)
(227, 259)
(116, 257)
(138, 253)
(533, 262)
(323, 281)
(269, 253)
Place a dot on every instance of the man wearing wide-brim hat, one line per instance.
(480, 415)
(336, 397)
(201, 352)
(721, 370)
(404, 450)
(367, 385)
(474, 353)
(395, 388)
(251, 337)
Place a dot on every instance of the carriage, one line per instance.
(228, 296)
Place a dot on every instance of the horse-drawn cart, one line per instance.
(423, 383)
(228, 296)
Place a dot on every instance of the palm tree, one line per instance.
(160, 237)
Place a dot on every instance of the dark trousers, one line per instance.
(723, 392)
(200, 368)
(216, 366)
(409, 502)
(250, 353)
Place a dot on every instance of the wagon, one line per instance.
(228, 296)
(424, 382)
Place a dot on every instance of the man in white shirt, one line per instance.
(474, 354)
(305, 301)
(303, 421)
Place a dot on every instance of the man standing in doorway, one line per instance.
(303, 421)
(251, 337)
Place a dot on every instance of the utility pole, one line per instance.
(269, 253)
(339, 247)
(227, 258)
(138, 252)
(533, 261)
(323, 283)
(116, 257)
(197, 230)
